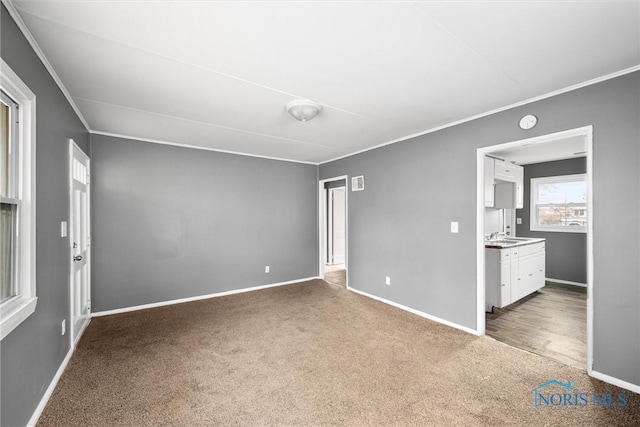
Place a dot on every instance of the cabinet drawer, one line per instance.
(532, 249)
(505, 171)
(509, 254)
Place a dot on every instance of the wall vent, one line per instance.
(357, 183)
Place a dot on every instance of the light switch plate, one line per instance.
(454, 227)
(519, 221)
(63, 229)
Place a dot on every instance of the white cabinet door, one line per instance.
(505, 284)
(488, 181)
(505, 171)
(527, 280)
(519, 187)
(515, 279)
(539, 267)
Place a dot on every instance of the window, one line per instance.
(559, 203)
(17, 201)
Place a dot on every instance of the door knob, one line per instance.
(77, 258)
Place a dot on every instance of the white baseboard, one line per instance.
(417, 312)
(615, 381)
(52, 386)
(54, 382)
(566, 282)
(197, 298)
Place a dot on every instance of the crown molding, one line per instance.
(497, 110)
(15, 15)
(199, 147)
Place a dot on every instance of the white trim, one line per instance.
(13, 312)
(22, 26)
(590, 261)
(81, 332)
(36, 48)
(533, 203)
(196, 298)
(615, 381)
(52, 386)
(70, 234)
(416, 312)
(587, 133)
(330, 212)
(322, 232)
(197, 147)
(480, 258)
(566, 282)
(497, 110)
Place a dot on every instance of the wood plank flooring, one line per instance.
(551, 322)
(335, 275)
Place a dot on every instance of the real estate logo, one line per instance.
(567, 396)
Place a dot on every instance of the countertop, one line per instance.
(510, 242)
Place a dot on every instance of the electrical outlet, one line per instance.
(387, 280)
(266, 269)
(454, 227)
(64, 326)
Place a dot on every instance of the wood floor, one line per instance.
(335, 275)
(551, 322)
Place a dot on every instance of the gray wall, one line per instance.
(566, 252)
(32, 353)
(171, 222)
(399, 225)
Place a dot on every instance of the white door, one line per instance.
(80, 240)
(339, 225)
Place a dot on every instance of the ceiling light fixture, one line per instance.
(303, 110)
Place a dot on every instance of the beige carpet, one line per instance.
(307, 354)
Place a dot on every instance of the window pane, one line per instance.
(4, 149)
(563, 192)
(8, 214)
(563, 216)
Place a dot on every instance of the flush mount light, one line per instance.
(528, 121)
(303, 110)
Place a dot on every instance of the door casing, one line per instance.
(78, 322)
(322, 225)
(587, 133)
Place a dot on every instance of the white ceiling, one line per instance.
(217, 74)
(559, 149)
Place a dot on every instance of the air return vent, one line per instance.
(357, 183)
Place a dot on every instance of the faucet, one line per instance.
(494, 234)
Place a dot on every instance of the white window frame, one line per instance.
(15, 310)
(533, 214)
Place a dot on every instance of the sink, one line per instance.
(503, 242)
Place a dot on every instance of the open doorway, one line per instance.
(333, 229)
(535, 246)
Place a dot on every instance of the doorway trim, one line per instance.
(587, 133)
(331, 259)
(71, 325)
(322, 221)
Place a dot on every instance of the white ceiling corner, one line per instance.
(216, 75)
